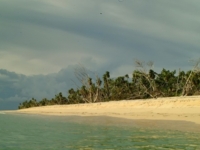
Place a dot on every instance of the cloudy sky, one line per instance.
(42, 41)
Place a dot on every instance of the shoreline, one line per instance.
(168, 108)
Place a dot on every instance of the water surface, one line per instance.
(32, 132)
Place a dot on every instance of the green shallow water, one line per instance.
(29, 132)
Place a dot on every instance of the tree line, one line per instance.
(144, 83)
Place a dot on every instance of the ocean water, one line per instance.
(32, 132)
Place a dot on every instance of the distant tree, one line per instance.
(167, 82)
(188, 86)
(60, 99)
(145, 79)
(106, 81)
(90, 91)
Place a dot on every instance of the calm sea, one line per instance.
(32, 132)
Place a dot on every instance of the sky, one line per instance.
(43, 41)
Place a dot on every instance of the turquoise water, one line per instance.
(29, 132)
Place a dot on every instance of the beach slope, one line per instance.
(173, 108)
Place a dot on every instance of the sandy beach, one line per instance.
(173, 108)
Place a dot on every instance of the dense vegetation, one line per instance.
(144, 83)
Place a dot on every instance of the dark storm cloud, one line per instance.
(17, 88)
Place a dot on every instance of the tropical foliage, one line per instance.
(144, 83)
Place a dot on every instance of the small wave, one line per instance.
(2, 113)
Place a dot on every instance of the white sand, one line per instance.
(174, 108)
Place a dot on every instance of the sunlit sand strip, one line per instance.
(173, 108)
